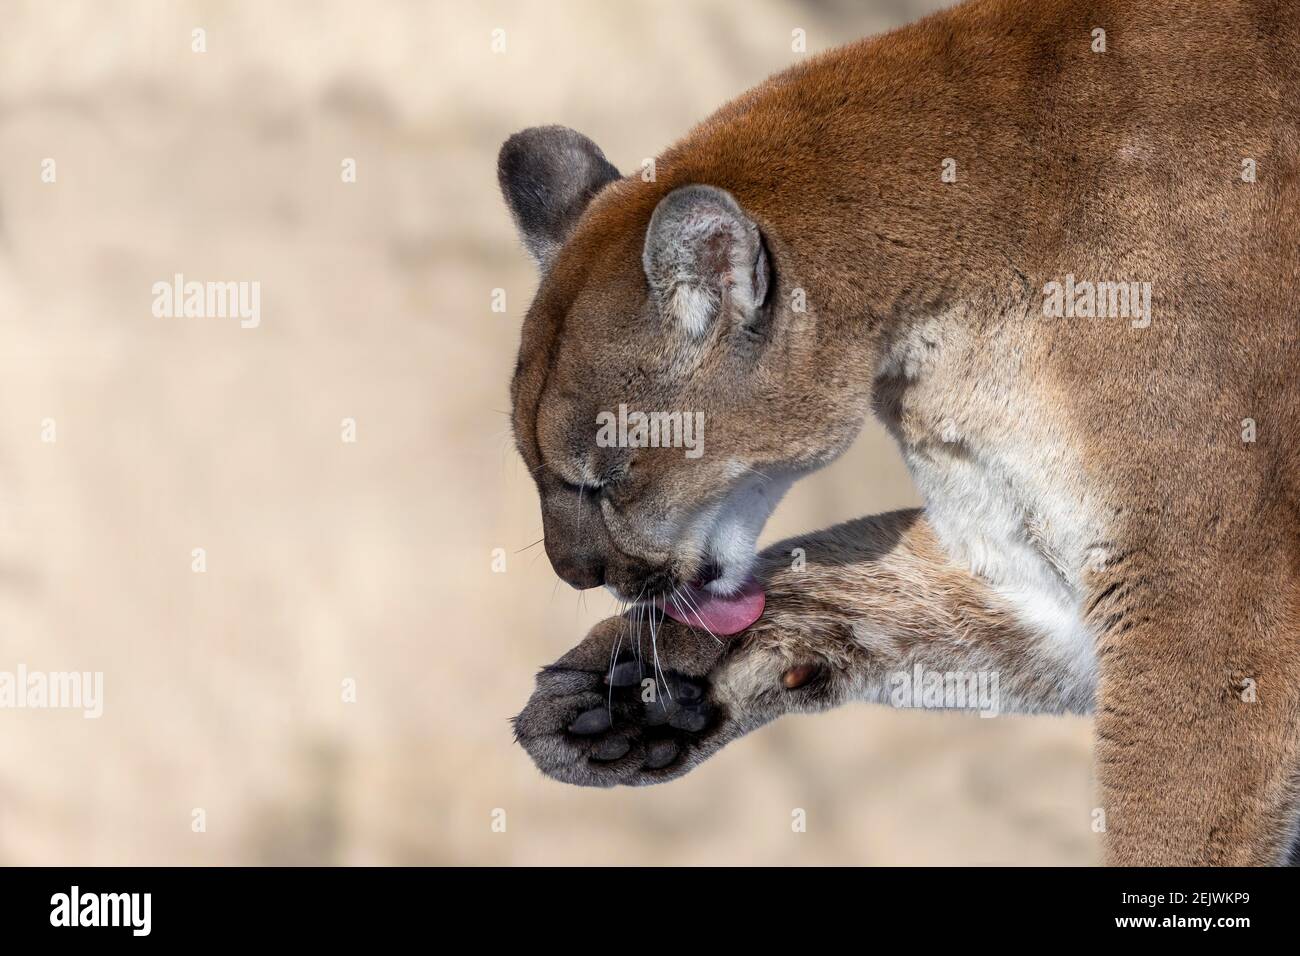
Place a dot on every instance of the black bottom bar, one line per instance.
(548, 906)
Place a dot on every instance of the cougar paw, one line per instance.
(618, 711)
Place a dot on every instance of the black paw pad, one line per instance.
(660, 754)
(660, 712)
(691, 719)
(611, 748)
(686, 691)
(594, 721)
(625, 674)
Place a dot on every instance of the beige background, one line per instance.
(371, 561)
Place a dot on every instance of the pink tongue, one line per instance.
(721, 615)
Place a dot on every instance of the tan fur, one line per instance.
(1118, 449)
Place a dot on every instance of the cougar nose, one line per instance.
(581, 571)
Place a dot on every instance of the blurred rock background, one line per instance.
(370, 562)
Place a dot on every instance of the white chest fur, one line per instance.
(1026, 543)
(1000, 483)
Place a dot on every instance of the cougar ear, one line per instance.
(548, 174)
(701, 250)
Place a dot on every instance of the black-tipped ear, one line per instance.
(701, 250)
(548, 174)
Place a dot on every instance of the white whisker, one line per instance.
(686, 596)
(654, 644)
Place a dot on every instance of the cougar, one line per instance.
(1052, 246)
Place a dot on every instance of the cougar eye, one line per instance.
(577, 487)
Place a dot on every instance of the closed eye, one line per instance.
(602, 485)
(580, 487)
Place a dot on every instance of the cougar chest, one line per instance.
(995, 468)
